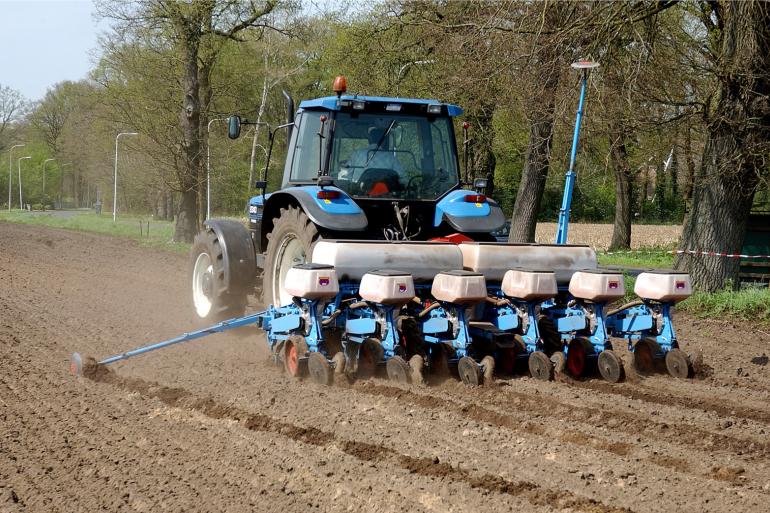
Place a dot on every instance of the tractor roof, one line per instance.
(330, 102)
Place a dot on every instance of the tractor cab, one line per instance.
(376, 148)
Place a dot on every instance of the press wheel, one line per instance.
(678, 364)
(559, 361)
(294, 349)
(417, 364)
(319, 368)
(488, 369)
(469, 370)
(439, 360)
(369, 356)
(645, 357)
(610, 366)
(540, 366)
(338, 360)
(577, 356)
(398, 370)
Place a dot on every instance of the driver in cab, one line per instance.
(379, 169)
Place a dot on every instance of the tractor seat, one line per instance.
(378, 181)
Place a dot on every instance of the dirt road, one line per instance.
(209, 426)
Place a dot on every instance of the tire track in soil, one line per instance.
(481, 414)
(427, 467)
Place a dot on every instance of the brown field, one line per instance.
(209, 426)
(599, 235)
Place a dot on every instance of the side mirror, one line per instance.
(234, 127)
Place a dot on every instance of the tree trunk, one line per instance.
(690, 164)
(205, 94)
(624, 183)
(717, 220)
(533, 176)
(187, 220)
(738, 139)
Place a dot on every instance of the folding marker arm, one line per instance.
(77, 361)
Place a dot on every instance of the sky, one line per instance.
(43, 42)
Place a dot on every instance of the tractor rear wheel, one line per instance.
(211, 298)
(288, 244)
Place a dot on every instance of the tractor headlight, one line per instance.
(253, 209)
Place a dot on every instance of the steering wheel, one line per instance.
(413, 188)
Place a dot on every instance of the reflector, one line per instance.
(584, 64)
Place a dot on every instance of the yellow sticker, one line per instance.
(327, 201)
(478, 204)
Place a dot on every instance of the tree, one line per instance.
(12, 108)
(738, 139)
(188, 28)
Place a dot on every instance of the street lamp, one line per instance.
(403, 68)
(46, 161)
(115, 190)
(18, 161)
(10, 173)
(208, 167)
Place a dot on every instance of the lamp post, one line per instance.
(208, 166)
(46, 161)
(405, 66)
(21, 199)
(10, 173)
(115, 189)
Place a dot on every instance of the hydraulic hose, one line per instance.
(632, 304)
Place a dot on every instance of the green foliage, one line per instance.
(646, 258)
(751, 304)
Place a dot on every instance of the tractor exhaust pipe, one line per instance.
(289, 112)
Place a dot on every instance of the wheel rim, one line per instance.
(398, 370)
(469, 371)
(320, 370)
(610, 366)
(677, 364)
(291, 359)
(203, 276)
(290, 253)
(576, 358)
(539, 366)
(559, 362)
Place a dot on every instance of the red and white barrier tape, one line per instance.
(682, 252)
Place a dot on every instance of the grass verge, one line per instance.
(749, 304)
(127, 226)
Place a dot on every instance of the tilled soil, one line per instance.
(211, 426)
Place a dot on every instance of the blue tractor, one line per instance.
(357, 167)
